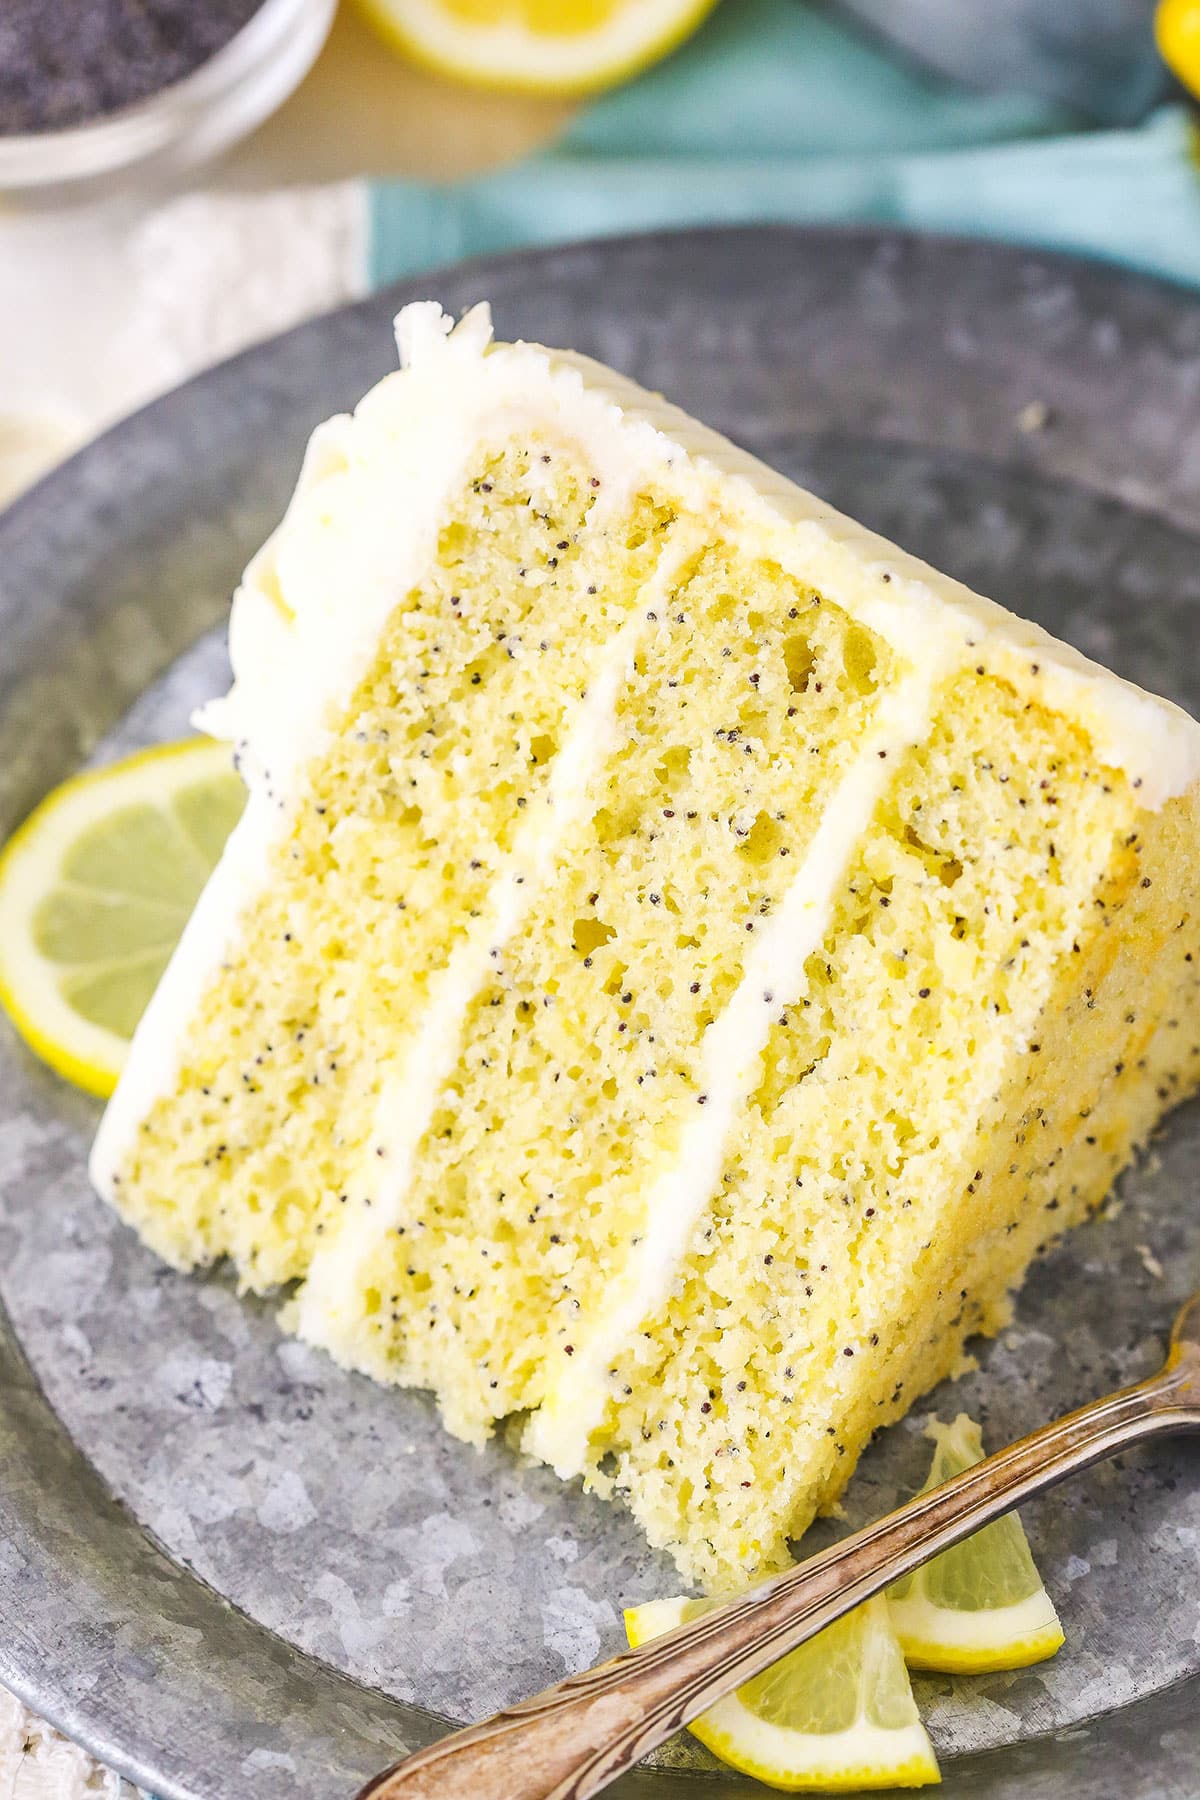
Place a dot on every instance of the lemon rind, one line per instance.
(862, 1756)
(965, 1640)
(87, 1055)
(512, 60)
(974, 1643)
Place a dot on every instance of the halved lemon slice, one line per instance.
(536, 46)
(836, 1714)
(95, 889)
(981, 1605)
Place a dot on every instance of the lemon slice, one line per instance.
(95, 889)
(536, 46)
(981, 1605)
(836, 1714)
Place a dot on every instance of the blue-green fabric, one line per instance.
(775, 112)
(781, 78)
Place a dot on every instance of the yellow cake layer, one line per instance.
(578, 1059)
(390, 847)
(839, 1270)
(680, 961)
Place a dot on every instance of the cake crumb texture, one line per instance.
(682, 959)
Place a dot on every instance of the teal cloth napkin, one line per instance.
(775, 112)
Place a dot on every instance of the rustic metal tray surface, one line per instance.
(227, 1566)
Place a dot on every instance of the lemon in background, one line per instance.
(561, 47)
(1177, 32)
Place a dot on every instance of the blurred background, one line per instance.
(180, 177)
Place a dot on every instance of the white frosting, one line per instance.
(359, 531)
(730, 1069)
(307, 616)
(409, 1097)
(916, 608)
(314, 600)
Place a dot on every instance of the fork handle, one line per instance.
(572, 1740)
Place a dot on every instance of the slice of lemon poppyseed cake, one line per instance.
(680, 959)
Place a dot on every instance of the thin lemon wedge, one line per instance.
(835, 1715)
(536, 46)
(95, 889)
(980, 1606)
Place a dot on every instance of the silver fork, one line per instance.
(572, 1740)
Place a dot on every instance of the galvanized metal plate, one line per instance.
(224, 1561)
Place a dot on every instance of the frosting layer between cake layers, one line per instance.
(621, 1001)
